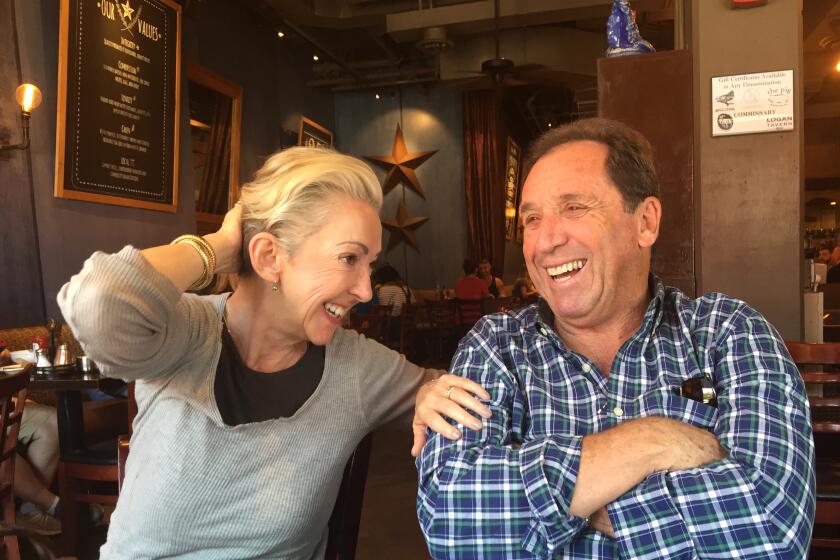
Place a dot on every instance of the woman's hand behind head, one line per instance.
(227, 241)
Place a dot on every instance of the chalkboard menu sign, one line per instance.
(119, 97)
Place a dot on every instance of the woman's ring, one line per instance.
(448, 393)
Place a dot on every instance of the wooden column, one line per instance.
(652, 93)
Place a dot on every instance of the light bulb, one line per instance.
(838, 66)
(281, 34)
(315, 57)
(28, 97)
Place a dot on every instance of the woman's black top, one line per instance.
(493, 288)
(244, 395)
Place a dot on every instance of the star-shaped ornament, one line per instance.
(127, 10)
(402, 227)
(401, 165)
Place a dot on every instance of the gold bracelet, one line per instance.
(208, 259)
(205, 261)
(205, 276)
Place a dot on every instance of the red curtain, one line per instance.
(484, 177)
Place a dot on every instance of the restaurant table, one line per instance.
(68, 389)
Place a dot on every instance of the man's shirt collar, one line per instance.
(541, 318)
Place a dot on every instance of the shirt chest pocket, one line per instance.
(666, 402)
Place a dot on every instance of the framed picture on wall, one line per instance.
(313, 134)
(119, 71)
(512, 164)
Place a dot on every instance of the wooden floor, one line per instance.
(389, 527)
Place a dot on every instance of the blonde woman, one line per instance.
(251, 403)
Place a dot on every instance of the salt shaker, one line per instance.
(42, 364)
(61, 356)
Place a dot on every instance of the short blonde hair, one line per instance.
(288, 196)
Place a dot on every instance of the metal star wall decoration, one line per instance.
(401, 165)
(402, 227)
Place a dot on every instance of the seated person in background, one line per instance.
(522, 293)
(391, 290)
(35, 466)
(485, 272)
(470, 286)
(824, 254)
(832, 262)
(596, 448)
(249, 404)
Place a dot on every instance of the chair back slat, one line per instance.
(442, 314)
(469, 311)
(819, 365)
(809, 353)
(408, 327)
(373, 325)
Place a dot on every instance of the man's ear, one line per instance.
(267, 257)
(649, 214)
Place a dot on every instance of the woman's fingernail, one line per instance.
(475, 425)
(455, 434)
(485, 412)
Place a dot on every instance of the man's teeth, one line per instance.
(335, 310)
(567, 267)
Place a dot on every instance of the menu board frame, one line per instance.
(165, 196)
(311, 133)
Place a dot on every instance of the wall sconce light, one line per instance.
(28, 97)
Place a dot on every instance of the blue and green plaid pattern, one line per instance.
(504, 491)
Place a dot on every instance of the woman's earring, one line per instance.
(274, 287)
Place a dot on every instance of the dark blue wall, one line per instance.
(431, 119)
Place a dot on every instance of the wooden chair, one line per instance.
(408, 329)
(90, 475)
(819, 365)
(12, 399)
(469, 312)
(444, 330)
(347, 512)
(372, 325)
(499, 304)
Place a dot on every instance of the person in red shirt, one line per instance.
(470, 286)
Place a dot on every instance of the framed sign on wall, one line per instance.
(118, 102)
(313, 134)
(512, 164)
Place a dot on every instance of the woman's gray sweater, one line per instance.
(194, 487)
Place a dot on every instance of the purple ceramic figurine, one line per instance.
(622, 33)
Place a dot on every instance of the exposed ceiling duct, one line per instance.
(434, 40)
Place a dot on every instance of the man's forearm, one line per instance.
(614, 461)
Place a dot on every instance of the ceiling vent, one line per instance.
(434, 40)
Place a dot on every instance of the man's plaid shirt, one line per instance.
(504, 491)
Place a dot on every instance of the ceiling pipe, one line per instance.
(384, 43)
(323, 50)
